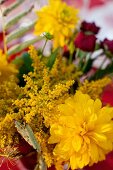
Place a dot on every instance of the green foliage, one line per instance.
(24, 63)
(12, 7)
(52, 58)
(19, 47)
(17, 18)
(19, 32)
(87, 66)
(27, 133)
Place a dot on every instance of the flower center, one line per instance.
(83, 129)
(65, 15)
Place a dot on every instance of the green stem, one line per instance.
(80, 63)
(70, 58)
(87, 58)
(77, 53)
(44, 46)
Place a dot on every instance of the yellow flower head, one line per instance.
(84, 131)
(6, 69)
(58, 19)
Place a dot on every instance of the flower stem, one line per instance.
(44, 46)
(70, 58)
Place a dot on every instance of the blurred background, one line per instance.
(99, 11)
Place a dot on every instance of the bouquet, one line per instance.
(53, 103)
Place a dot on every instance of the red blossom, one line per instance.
(96, 3)
(107, 44)
(85, 42)
(90, 27)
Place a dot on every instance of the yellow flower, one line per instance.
(6, 69)
(94, 88)
(58, 19)
(84, 131)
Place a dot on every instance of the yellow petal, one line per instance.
(77, 142)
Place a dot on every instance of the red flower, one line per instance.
(108, 45)
(96, 3)
(85, 42)
(90, 27)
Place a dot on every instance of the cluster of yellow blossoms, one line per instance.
(47, 104)
(35, 103)
(94, 88)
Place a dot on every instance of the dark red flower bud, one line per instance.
(107, 44)
(66, 52)
(90, 27)
(65, 48)
(85, 42)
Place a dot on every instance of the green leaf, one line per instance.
(19, 32)
(87, 66)
(81, 54)
(27, 133)
(52, 58)
(17, 18)
(41, 164)
(19, 47)
(97, 46)
(11, 7)
(24, 65)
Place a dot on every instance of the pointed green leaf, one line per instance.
(27, 133)
(24, 65)
(87, 66)
(11, 7)
(52, 58)
(42, 165)
(19, 47)
(14, 20)
(19, 32)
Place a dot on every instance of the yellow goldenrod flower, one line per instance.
(83, 132)
(6, 69)
(58, 19)
(95, 88)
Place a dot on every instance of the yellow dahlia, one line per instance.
(84, 131)
(6, 69)
(58, 19)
